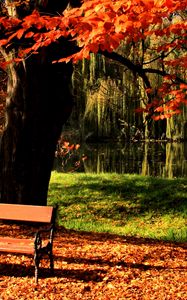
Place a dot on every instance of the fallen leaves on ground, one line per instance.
(97, 266)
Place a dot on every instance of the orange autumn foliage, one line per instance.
(99, 26)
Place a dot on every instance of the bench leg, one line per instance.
(51, 262)
(50, 254)
(39, 254)
(36, 262)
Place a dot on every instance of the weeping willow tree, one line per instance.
(106, 99)
(112, 92)
(176, 160)
(107, 95)
(177, 125)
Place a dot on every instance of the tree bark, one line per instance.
(39, 102)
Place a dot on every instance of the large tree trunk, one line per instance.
(39, 102)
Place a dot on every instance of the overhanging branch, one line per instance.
(163, 73)
(138, 69)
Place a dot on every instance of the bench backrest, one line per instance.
(27, 213)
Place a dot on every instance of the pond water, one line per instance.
(167, 160)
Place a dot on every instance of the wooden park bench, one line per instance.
(42, 218)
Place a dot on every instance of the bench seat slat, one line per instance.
(12, 245)
(28, 213)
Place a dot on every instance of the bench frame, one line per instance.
(29, 215)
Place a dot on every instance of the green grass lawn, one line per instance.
(131, 205)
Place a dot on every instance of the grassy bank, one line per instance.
(122, 204)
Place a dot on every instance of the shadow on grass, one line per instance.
(126, 196)
(76, 237)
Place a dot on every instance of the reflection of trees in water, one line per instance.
(176, 160)
(154, 159)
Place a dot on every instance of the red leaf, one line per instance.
(29, 34)
(20, 33)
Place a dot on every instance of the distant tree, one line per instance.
(36, 33)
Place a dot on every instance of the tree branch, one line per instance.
(163, 73)
(138, 69)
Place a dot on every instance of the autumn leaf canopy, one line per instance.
(100, 26)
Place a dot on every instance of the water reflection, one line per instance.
(155, 159)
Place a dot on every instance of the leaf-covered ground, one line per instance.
(97, 266)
